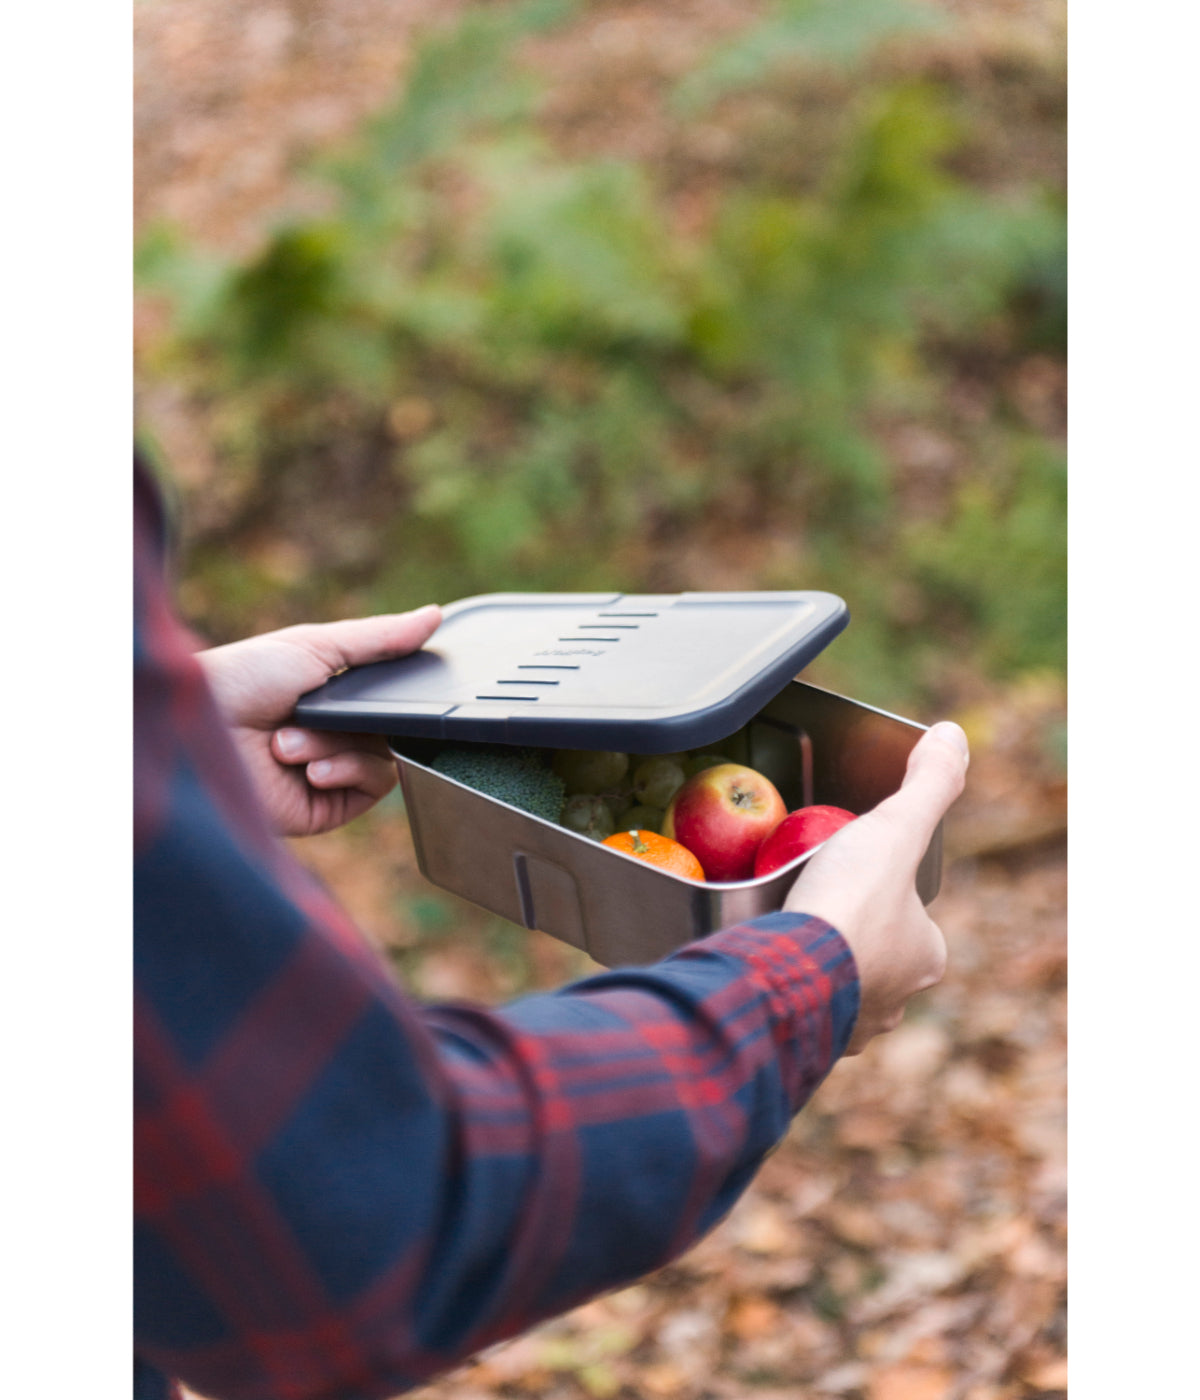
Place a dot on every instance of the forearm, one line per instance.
(644, 1099)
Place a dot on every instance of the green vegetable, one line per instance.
(516, 777)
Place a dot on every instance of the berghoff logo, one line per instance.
(569, 651)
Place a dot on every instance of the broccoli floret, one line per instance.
(518, 778)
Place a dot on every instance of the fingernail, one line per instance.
(426, 612)
(953, 734)
(290, 742)
(320, 769)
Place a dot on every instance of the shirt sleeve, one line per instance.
(340, 1192)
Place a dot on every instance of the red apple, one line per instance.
(722, 815)
(797, 833)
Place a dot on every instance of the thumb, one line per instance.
(358, 641)
(934, 779)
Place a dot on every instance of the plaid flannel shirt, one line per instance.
(340, 1192)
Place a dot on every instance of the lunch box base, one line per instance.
(814, 745)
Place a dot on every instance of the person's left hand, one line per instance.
(308, 780)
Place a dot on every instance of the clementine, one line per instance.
(657, 850)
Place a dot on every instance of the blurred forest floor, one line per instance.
(908, 1240)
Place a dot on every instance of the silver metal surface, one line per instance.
(815, 746)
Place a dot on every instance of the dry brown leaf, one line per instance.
(914, 1052)
(1035, 1258)
(856, 1224)
(663, 1378)
(761, 1227)
(852, 1376)
(977, 1247)
(906, 1382)
(1047, 1375)
(807, 1194)
(780, 1274)
(812, 1336)
(866, 1129)
(689, 1334)
(845, 1274)
(968, 1089)
(929, 1350)
(752, 1317)
(511, 1361)
(911, 1278)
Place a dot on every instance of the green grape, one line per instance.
(642, 819)
(590, 770)
(657, 780)
(588, 815)
(705, 760)
(618, 802)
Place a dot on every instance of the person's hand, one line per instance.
(863, 882)
(309, 780)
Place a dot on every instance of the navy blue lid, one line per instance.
(641, 673)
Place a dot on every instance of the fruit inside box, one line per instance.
(704, 815)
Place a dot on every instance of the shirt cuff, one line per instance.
(807, 975)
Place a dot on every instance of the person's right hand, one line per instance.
(863, 882)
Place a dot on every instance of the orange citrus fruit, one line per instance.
(657, 850)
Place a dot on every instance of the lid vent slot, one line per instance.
(508, 697)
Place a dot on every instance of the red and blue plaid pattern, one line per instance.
(339, 1192)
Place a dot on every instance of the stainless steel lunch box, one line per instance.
(814, 745)
(637, 673)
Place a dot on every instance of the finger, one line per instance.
(357, 641)
(933, 780)
(943, 735)
(938, 957)
(296, 746)
(361, 771)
